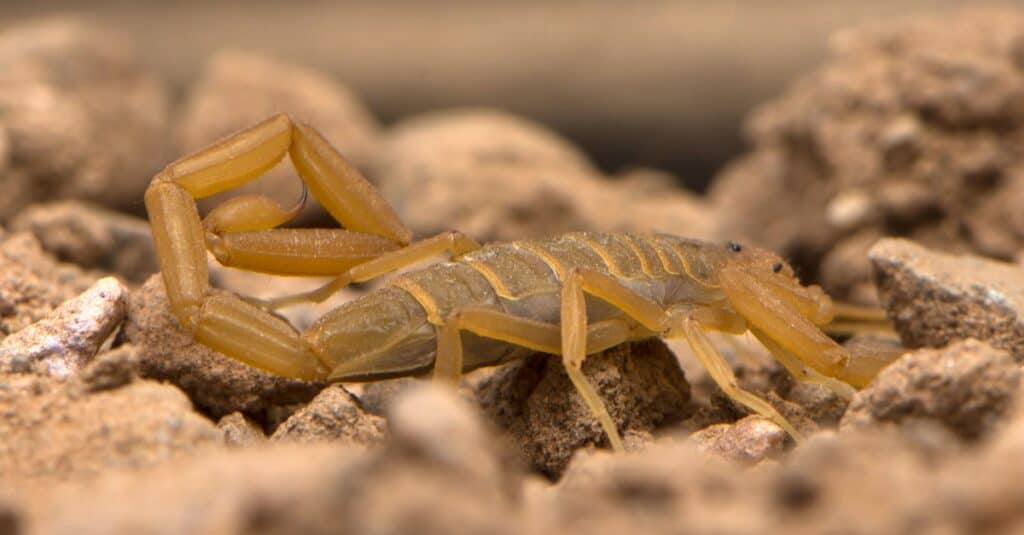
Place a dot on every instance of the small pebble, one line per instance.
(240, 431)
(60, 344)
(750, 440)
(333, 415)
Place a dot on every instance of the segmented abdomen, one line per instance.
(525, 277)
(521, 278)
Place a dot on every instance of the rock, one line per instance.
(441, 170)
(536, 403)
(968, 386)
(431, 423)
(239, 431)
(935, 298)
(334, 416)
(32, 283)
(239, 89)
(670, 488)
(440, 474)
(112, 369)
(863, 482)
(214, 382)
(82, 116)
(750, 440)
(59, 430)
(60, 344)
(912, 129)
(92, 237)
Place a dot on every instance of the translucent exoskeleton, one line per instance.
(571, 295)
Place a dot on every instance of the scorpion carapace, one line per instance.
(571, 295)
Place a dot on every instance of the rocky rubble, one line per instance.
(83, 118)
(546, 185)
(63, 342)
(114, 420)
(934, 298)
(910, 129)
(91, 237)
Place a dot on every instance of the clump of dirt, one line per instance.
(969, 386)
(910, 129)
(32, 283)
(935, 298)
(92, 237)
(536, 403)
(82, 116)
(496, 176)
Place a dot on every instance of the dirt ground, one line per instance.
(890, 175)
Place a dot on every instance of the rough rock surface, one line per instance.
(546, 185)
(935, 298)
(111, 369)
(240, 431)
(82, 117)
(912, 129)
(32, 283)
(92, 237)
(215, 383)
(536, 403)
(60, 344)
(437, 478)
(333, 415)
(61, 430)
(968, 386)
(239, 89)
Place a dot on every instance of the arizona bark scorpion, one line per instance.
(571, 295)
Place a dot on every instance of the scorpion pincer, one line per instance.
(570, 295)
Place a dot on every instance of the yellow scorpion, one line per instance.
(571, 295)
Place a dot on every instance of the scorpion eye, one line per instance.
(776, 267)
(735, 247)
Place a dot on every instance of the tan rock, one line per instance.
(63, 342)
(935, 298)
(536, 403)
(333, 415)
(968, 386)
(92, 237)
(82, 116)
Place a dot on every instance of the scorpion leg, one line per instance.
(722, 374)
(574, 331)
(454, 243)
(524, 332)
(540, 336)
(800, 371)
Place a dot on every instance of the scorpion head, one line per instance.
(777, 275)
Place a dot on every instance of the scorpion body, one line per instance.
(522, 279)
(570, 295)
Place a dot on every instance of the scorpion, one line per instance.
(571, 295)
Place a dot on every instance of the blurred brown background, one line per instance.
(662, 84)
